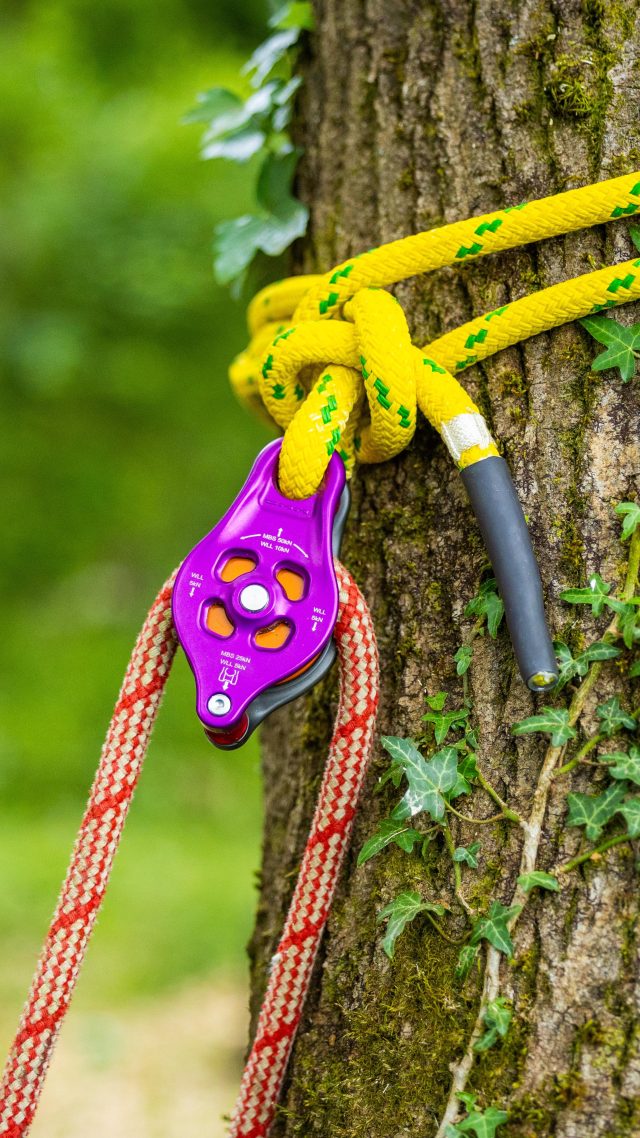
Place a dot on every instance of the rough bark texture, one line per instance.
(414, 114)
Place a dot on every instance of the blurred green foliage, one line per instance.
(121, 446)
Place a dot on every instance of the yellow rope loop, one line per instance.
(347, 330)
(389, 366)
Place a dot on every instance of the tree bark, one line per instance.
(414, 114)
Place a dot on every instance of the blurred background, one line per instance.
(122, 446)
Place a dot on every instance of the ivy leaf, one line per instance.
(497, 1017)
(634, 233)
(494, 927)
(624, 765)
(622, 344)
(467, 771)
(214, 104)
(598, 651)
(388, 832)
(630, 809)
(627, 619)
(487, 603)
(463, 658)
(436, 702)
(297, 14)
(467, 855)
(593, 595)
(593, 811)
(465, 962)
(566, 663)
(613, 718)
(270, 53)
(538, 878)
(428, 781)
(552, 721)
(282, 221)
(404, 908)
(634, 670)
(630, 511)
(445, 721)
(481, 1123)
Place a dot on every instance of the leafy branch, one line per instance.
(240, 130)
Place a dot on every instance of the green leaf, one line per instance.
(446, 721)
(284, 219)
(538, 878)
(297, 14)
(214, 104)
(404, 908)
(593, 811)
(624, 765)
(436, 702)
(269, 54)
(552, 721)
(598, 651)
(467, 855)
(496, 1018)
(567, 667)
(487, 603)
(634, 233)
(465, 962)
(481, 1123)
(467, 771)
(494, 927)
(630, 511)
(634, 670)
(613, 718)
(627, 617)
(463, 658)
(593, 595)
(388, 832)
(630, 809)
(428, 781)
(622, 344)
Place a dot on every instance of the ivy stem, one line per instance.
(457, 869)
(443, 934)
(633, 566)
(579, 755)
(474, 821)
(615, 841)
(512, 815)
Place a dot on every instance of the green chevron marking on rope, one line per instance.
(340, 273)
(324, 383)
(329, 407)
(510, 208)
(461, 364)
(476, 338)
(331, 300)
(621, 282)
(607, 304)
(622, 210)
(333, 441)
(496, 312)
(405, 416)
(283, 336)
(488, 226)
(298, 391)
(278, 391)
(433, 366)
(471, 251)
(266, 367)
(363, 366)
(383, 391)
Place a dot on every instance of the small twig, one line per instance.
(457, 870)
(475, 821)
(579, 755)
(512, 815)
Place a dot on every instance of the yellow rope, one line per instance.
(320, 343)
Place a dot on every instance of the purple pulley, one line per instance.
(256, 601)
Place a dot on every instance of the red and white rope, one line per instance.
(88, 874)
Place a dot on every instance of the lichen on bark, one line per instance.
(413, 114)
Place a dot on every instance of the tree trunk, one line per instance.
(414, 114)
